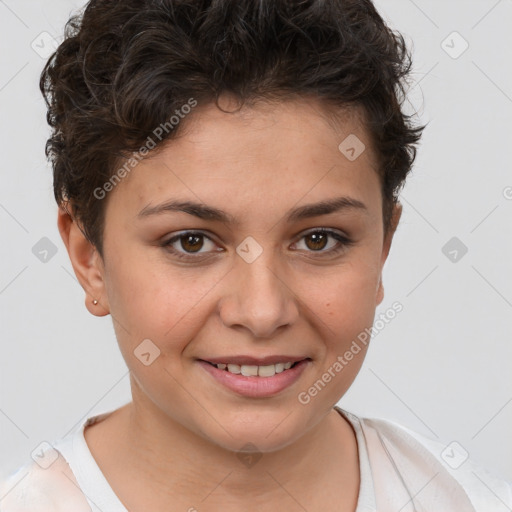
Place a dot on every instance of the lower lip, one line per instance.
(256, 387)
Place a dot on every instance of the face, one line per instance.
(254, 275)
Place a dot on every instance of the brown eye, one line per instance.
(325, 242)
(318, 241)
(191, 243)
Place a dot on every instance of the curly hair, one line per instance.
(125, 66)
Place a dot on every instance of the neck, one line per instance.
(165, 460)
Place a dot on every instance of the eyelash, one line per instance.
(344, 242)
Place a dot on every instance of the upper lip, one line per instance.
(255, 361)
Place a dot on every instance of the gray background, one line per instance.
(441, 367)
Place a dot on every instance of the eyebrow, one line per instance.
(211, 213)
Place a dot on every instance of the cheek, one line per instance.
(347, 312)
(347, 296)
(151, 300)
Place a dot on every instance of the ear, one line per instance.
(395, 218)
(86, 262)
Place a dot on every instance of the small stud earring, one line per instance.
(95, 302)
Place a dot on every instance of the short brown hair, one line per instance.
(125, 66)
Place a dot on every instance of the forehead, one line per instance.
(265, 155)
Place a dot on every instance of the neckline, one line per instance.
(99, 493)
(88, 474)
(366, 497)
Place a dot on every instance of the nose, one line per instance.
(259, 298)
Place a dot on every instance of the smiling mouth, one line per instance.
(256, 371)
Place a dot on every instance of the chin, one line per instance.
(258, 431)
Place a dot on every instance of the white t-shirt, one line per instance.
(399, 470)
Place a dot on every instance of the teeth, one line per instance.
(279, 367)
(255, 371)
(233, 368)
(249, 371)
(267, 371)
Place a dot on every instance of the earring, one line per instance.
(95, 302)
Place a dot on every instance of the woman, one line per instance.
(227, 174)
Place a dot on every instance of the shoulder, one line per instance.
(48, 483)
(34, 488)
(486, 491)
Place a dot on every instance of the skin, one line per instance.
(179, 436)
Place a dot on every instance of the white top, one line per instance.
(399, 470)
